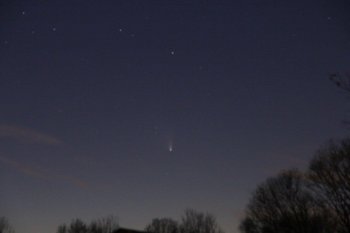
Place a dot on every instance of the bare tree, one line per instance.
(341, 81)
(77, 226)
(162, 225)
(197, 222)
(284, 204)
(249, 225)
(5, 226)
(62, 229)
(330, 172)
(103, 225)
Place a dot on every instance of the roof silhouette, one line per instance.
(126, 230)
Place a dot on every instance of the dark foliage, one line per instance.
(341, 81)
(103, 225)
(162, 225)
(191, 222)
(329, 172)
(284, 204)
(197, 222)
(5, 226)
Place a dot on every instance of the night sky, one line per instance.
(143, 108)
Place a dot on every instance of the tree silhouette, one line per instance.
(103, 225)
(5, 226)
(191, 222)
(341, 81)
(162, 225)
(284, 204)
(249, 225)
(77, 226)
(198, 222)
(329, 172)
(62, 229)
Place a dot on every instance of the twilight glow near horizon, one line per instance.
(143, 108)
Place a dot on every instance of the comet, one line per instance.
(170, 148)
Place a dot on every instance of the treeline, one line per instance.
(5, 226)
(192, 221)
(314, 201)
(104, 225)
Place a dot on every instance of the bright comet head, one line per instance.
(170, 148)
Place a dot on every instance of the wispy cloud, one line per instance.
(23, 168)
(75, 181)
(42, 174)
(27, 135)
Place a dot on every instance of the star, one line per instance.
(54, 29)
(172, 52)
(23, 12)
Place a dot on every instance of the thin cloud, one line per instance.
(23, 168)
(41, 174)
(27, 135)
(75, 181)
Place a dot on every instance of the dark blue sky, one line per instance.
(94, 93)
